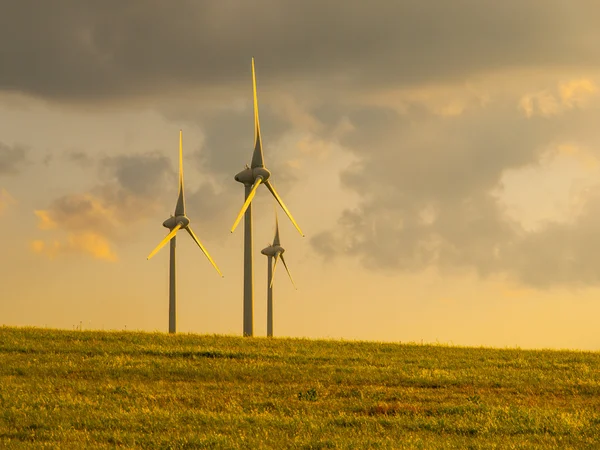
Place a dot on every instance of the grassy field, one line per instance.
(80, 389)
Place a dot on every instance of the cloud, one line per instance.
(577, 92)
(87, 242)
(435, 101)
(6, 200)
(93, 222)
(49, 249)
(12, 159)
(426, 183)
(143, 176)
(572, 94)
(209, 208)
(78, 157)
(81, 212)
(542, 103)
(560, 253)
(89, 51)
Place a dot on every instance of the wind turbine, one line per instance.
(177, 222)
(275, 250)
(252, 177)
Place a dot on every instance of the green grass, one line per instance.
(79, 389)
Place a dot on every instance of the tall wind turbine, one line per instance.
(252, 177)
(275, 250)
(177, 222)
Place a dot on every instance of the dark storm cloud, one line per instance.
(12, 159)
(75, 49)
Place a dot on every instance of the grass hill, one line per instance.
(91, 389)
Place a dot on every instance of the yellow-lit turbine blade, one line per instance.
(276, 240)
(288, 271)
(180, 158)
(165, 240)
(273, 272)
(195, 238)
(180, 207)
(278, 198)
(247, 202)
(257, 137)
(258, 159)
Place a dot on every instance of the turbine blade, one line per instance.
(274, 266)
(180, 208)
(288, 271)
(165, 240)
(195, 238)
(257, 156)
(247, 202)
(276, 238)
(278, 198)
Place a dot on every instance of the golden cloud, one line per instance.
(88, 243)
(569, 95)
(576, 92)
(541, 103)
(79, 212)
(49, 250)
(93, 244)
(89, 222)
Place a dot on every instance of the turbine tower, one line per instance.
(174, 224)
(275, 250)
(252, 177)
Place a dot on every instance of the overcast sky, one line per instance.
(442, 159)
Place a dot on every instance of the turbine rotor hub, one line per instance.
(261, 172)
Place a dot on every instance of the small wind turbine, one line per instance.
(174, 224)
(252, 177)
(275, 250)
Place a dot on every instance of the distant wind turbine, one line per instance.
(275, 250)
(174, 224)
(252, 177)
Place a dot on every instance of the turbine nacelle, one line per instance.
(173, 221)
(273, 250)
(248, 176)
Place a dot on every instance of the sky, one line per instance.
(442, 159)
